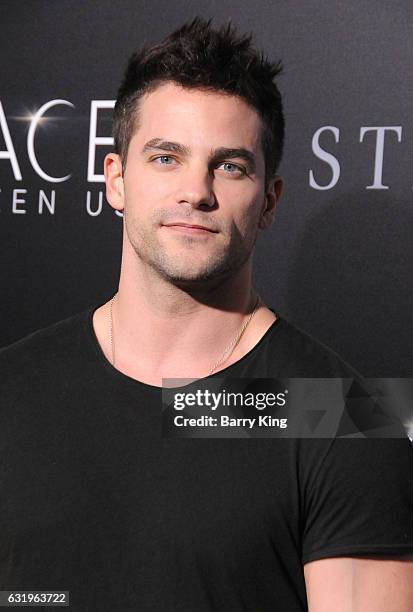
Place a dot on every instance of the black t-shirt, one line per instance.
(94, 501)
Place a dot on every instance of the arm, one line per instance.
(357, 584)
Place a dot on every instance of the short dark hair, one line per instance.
(197, 56)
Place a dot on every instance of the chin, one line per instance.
(181, 268)
(191, 276)
(190, 273)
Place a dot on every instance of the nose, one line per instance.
(195, 188)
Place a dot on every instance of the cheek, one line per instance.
(143, 192)
(244, 207)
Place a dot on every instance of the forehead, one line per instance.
(197, 118)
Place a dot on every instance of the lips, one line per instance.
(190, 226)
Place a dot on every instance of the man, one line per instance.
(94, 500)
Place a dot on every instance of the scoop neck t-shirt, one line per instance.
(95, 502)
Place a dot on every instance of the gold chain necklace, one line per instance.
(226, 354)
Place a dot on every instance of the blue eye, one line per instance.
(164, 159)
(232, 168)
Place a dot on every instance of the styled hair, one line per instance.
(198, 56)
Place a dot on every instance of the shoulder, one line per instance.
(46, 338)
(303, 355)
(42, 352)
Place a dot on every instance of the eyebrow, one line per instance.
(159, 144)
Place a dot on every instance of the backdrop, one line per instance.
(337, 261)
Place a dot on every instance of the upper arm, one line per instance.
(357, 584)
(360, 501)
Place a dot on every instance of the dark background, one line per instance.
(337, 262)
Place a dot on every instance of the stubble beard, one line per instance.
(185, 272)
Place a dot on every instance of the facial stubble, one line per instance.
(222, 258)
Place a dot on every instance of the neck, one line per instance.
(162, 330)
(162, 317)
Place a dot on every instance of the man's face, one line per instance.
(195, 158)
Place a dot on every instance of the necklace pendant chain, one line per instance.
(226, 354)
(233, 344)
(112, 343)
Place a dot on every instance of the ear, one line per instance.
(115, 195)
(272, 195)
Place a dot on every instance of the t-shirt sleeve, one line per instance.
(358, 500)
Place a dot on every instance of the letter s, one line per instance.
(327, 157)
